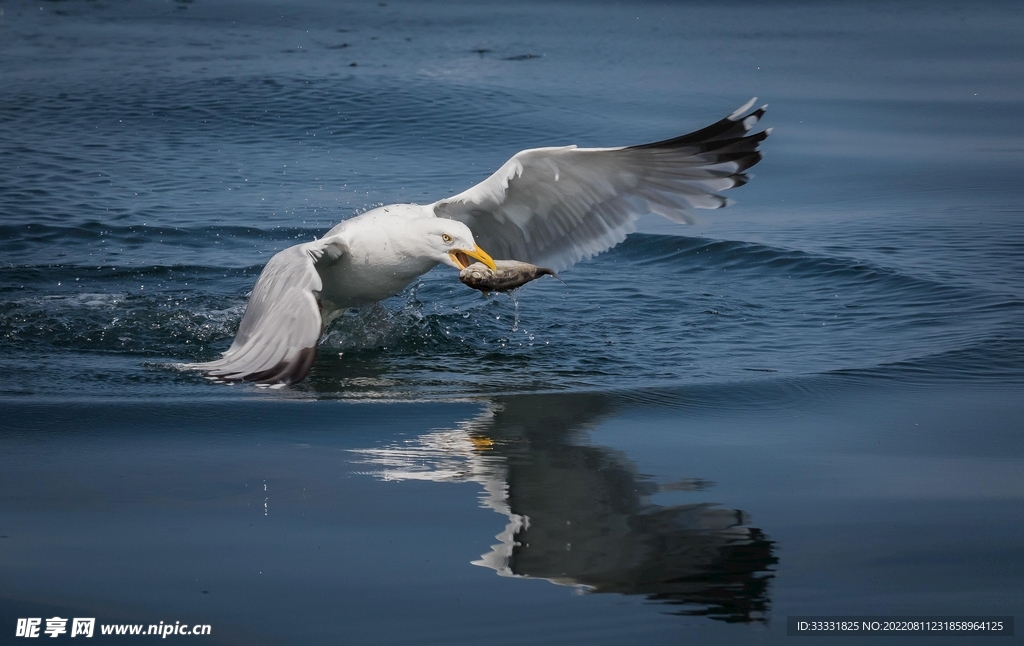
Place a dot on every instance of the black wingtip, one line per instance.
(734, 126)
(286, 372)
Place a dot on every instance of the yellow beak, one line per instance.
(460, 257)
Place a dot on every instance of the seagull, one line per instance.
(546, 206)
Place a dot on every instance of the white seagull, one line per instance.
(546, 206)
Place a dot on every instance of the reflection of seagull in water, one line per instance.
(546, 206)
(579, 514)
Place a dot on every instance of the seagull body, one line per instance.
(380, 239)
(546, 206)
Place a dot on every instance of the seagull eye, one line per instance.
(446, 237)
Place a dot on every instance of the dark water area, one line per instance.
(809, 403)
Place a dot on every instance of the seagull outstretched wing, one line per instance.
(557, 206)
(277, 338)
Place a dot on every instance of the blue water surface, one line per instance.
(807, 403)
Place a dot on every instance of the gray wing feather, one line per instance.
(557, 206)
(277, 338)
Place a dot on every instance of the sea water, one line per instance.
(807, 403)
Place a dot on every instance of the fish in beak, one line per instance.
(462, 257)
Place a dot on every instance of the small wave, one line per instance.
(94, 243)
(833, 271)
(988, 359)
(94, 231)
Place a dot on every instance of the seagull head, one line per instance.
(452, 243)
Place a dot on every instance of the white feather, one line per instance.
(557, 206)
